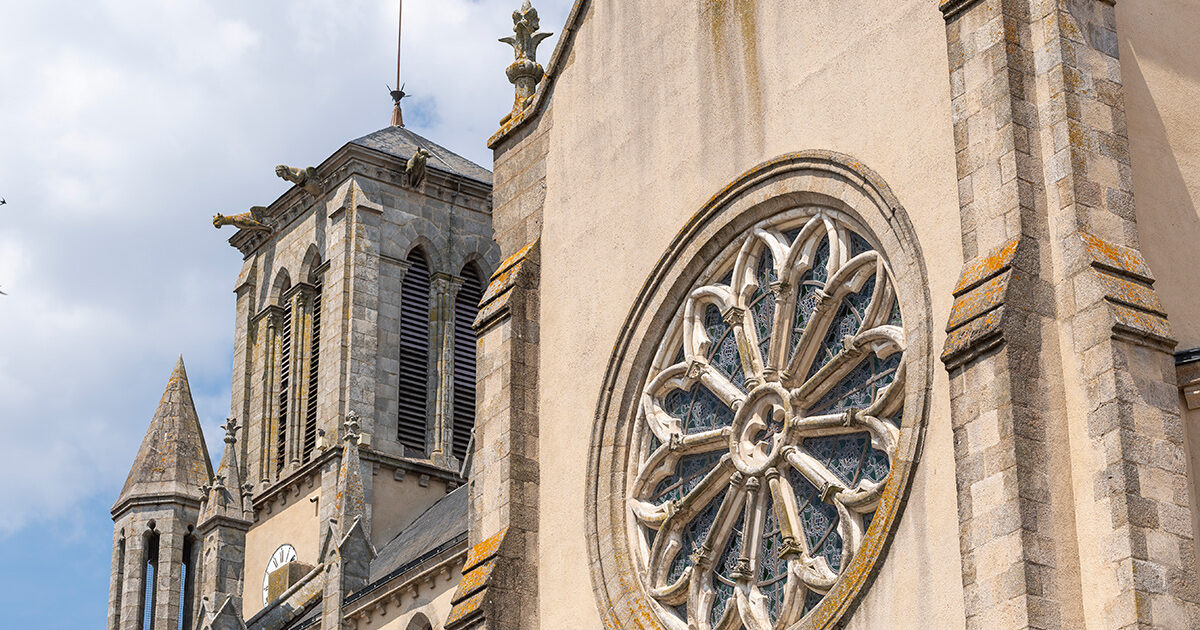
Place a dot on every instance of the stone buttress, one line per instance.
(1060, 523)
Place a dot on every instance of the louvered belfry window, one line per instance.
(314, 362)
(414, 353)
(285, 374)
(466, 307)
(149, 581)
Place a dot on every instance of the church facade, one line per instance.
(771, 315)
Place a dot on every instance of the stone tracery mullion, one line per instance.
(668, 543)
(823, 479)
(701, 593)
(839, 286)
(783, 501)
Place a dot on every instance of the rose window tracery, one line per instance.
(768, 426)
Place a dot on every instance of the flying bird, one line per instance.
(3, 201)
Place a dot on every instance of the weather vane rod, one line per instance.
(398, 93)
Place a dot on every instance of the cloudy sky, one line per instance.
(124, 126)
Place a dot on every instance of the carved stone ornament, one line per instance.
(414, 169)
(773, 415)
(525, 72)
(305, 178)
(255, 220)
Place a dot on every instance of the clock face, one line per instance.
(283, 555)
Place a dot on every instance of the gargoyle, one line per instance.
(305, 178)
(415, 169)
(253, 220)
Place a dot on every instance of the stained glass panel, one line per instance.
(724, 579)
(846, 322)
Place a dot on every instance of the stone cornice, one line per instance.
(353, 160)
(270, 310)
(120, 508)
(953, 8)
(308, 475)
(390, 590)
(493, 307)
(220, 519)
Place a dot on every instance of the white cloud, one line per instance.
(124, 125)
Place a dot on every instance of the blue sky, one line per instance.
(124, 126)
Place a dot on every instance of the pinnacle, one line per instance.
(173, 459)
(351, 501)
(224, 496)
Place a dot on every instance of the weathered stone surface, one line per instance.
(173, 458)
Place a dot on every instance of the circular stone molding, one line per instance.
(764, 407)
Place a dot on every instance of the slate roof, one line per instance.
(442, 523)
(402, 143)
(173, 458)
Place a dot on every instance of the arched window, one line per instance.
(414, 353)
(419, 622)
(316, 279)
(466, 307)
(149, 579)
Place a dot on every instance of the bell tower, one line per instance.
(155, 544)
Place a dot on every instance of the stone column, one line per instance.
(134, 587)
(1067, 500)
(116, 579)
(169, 575)
(442, 290)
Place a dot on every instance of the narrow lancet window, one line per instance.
(466, 307)
(314, 363)
(414, 354)
(285, 378)
(150, 577)
(187, 585)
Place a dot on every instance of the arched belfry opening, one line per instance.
(413, 403)
(466, 308)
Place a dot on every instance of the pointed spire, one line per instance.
(173, 459)
(351, 499)
(225, 496)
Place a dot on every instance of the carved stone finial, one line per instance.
(255, 219)
(525, 72)
(414, 170)
(231, 427)
(305, 178)
(353, 428)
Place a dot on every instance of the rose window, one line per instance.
(768, 427)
